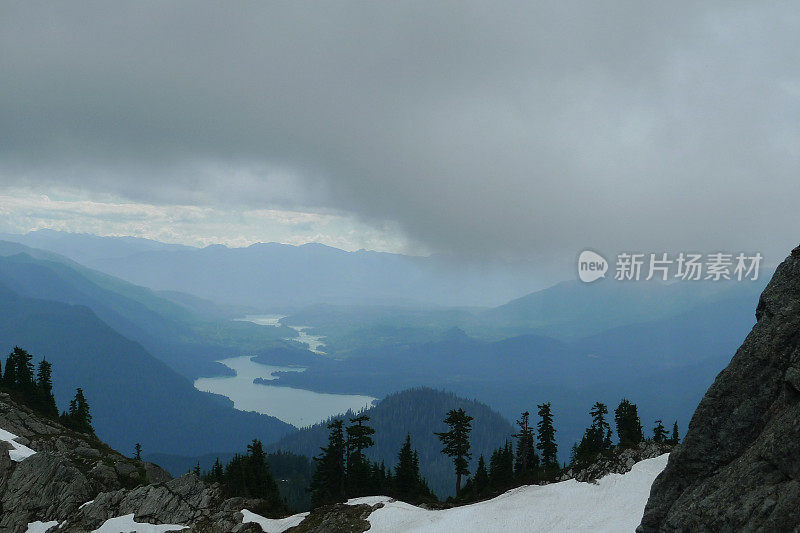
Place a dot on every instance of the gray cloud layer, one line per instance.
(481, 128)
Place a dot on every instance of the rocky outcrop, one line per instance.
(337, 518)
(616, 461)
(738, 468)
(71, 469)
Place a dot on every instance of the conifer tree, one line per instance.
(23, 366)
(217, 473)
(138, 452)
(328, 481)
(547, 437)
(526, 461)
(409, 485)
(501, 468)
(44, 387)
(481, 480)
(676, 438)
(596, 438)
(9, 377)
(456, 442)
(659, 432)
(359, 438)
(629, 427)
(78, 417)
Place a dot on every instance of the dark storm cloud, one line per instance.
(481, 128)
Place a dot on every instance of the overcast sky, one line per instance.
(480, 129)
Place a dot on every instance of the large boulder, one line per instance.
(738, 468)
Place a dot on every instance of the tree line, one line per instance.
(33, 387)
(342, 471)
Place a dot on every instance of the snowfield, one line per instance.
(18, 452)
(614, 504)
(128, 525)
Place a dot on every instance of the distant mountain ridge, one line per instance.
(272, 276)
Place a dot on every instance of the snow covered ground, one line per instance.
(18, 452)
(614, 504)
(128, 525)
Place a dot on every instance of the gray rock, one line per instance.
(738, 468)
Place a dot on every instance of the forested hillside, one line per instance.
(418, 413)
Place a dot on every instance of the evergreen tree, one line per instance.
(481, 480)
(359, 470)
(44, 387)
(217, 473)
(328, 481)
(629, 427)
(78, 417)
(138, 452)
(196, 469)
(547, 437)
(596, 438)
(10, 377)
(409, 485)
(23, 366)
(526, 461)
(676, 438)
(501, 468)
(659, 432)
(456, 442)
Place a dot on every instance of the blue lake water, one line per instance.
(298, 407)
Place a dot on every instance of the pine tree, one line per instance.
(526, 461)
(629, 427)
(456, 442)
(359, 438)
(78, 417)
(408, 483)
(23, 365)
(659, 432)
(10, 377)
(328, 481)
(217, 473)
(501, 468)
(676, 438)
(547, 437)
(596, 438)
(196, 469)
(44, 387)
(481, 480)
(138, 452)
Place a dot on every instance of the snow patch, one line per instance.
(40, 527)
(614, 504)
(18, 452)
(369, 500)
(272, 525)
(128, 525)
(90, 502)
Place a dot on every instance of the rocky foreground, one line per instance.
(738, 468)
(69, 469)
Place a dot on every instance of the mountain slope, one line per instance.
(419, 413)
(134, 397)
(185, 338)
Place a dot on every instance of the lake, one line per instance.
(298, 407)
(314, 343)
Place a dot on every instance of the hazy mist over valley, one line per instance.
(393, 266)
